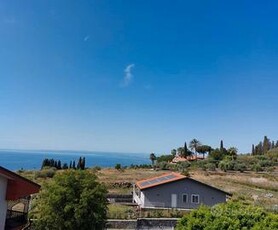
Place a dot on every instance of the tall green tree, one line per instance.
(193, 145)
(221, 145)
(73, 200)
(266, 145)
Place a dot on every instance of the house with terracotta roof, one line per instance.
(178, 158)
(173, 190)
(15, 193)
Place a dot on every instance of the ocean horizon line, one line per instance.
(68, 151)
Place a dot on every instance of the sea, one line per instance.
(32, 159)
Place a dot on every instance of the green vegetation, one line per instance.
(119, 211)
(264, 146)
(229, 216)
(58, 165)
(71, 200)
(222, 158)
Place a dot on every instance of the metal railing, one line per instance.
(15, 219)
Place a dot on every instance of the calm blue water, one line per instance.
(29, 159)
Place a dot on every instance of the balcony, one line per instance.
(15, 220)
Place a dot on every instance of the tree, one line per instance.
(174, 152)
(232, 151)
(276, 145)
(152, 158)
(180, 151)
(266, 145)
(203, 149)
(79, 163)
(65, 166)
(253, 150)
(72, 200)
(193, 145)
(221, 145)
(59, 165)
(216, 155)
(83, 163)
(185, 148)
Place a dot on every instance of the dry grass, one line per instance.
(250, 187)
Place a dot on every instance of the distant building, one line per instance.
(14, 190)
(173, 190)
(178, 158)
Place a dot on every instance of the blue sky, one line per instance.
(137, 76)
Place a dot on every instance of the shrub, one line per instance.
(118, 166)
(229, 216)
(210, 166)
(257, 168)
(45, 173)
(240, 167)
(163, 165)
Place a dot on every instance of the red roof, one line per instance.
(18, 186)
(163, 179)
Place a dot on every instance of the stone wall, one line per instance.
(143, 223)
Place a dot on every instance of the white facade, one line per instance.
(3, 202)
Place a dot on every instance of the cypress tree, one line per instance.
(185, 149)
(253, 150)
(276, 145)
(272, 145)
(266, 145)
(221, 145)
(70, 166)
(79, 163)
(73, 165)
(260, 148)
(83, 163)
(65, 166)
(59, 164)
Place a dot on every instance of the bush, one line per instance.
(163, 165)
(257, 168)
(45, 173)
(166, 158)
(210, 166)
(240, 167)
(118, 166)
(229, 216)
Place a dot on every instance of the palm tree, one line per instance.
(152, 158)
(193, 145)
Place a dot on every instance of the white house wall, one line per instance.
(3, 202)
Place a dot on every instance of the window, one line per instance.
(195, 198)
(184, 198)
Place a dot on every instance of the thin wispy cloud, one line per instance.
(86, 38)
(128, 75)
